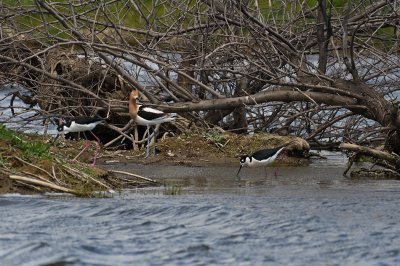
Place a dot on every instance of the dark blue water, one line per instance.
(305, 216)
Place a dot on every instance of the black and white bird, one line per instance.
(147, 116)
(82, 124)
(261, 158)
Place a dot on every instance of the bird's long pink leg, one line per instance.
(96, 153)
(82, 151)
(97, 139)
(276, 166)
(276, 171)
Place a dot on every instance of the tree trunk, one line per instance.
(324, 32)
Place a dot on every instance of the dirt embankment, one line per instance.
(213, 148)
(30, 165)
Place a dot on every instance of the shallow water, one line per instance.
(305, 216)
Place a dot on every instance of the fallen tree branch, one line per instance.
(390, 158)
(261, 97)
(369, 151)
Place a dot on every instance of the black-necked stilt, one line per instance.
(147, 116)
(82, 124)
(261, 158)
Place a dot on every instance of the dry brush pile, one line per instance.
(323, 70)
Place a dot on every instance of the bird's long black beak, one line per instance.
(240, 168)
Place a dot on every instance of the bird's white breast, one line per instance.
(257, 163)
(79, 127)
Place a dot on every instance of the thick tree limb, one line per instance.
(265, 96)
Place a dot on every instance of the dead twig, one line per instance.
(134, 175)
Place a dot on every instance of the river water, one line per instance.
(304, 216)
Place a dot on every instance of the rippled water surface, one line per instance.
(305, 216)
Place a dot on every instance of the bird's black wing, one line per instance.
(264, 154)
(149, 113)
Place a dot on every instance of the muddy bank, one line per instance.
(31, 164)
(37, 165)
(212, 148)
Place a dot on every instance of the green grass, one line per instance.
(28, 148)
(215, 137)
(172, 190)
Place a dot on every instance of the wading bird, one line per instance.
(261, 158)
(147, 116)
(82, 124)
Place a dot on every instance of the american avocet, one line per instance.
(147, 116)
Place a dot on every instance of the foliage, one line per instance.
(28, 147)
(216, 137)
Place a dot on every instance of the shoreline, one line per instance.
(38, 166)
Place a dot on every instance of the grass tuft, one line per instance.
(172, 190)
(28, 148)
